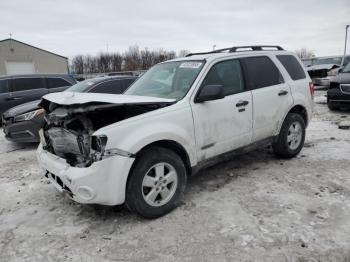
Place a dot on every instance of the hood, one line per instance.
(21, 109)
(320, 67)
(72, 98)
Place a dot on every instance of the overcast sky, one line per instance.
(70, 27)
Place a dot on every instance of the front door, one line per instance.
(224, 124)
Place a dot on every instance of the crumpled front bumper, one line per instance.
(104, 182)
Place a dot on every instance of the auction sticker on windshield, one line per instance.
(191, 65)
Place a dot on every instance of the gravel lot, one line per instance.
(253, 208)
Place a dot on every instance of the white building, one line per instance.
(20, 58)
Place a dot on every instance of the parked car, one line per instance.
(308, 61)
(180, 116)
(338, 95)
(325, 69)
(22, 123)
(19, 89)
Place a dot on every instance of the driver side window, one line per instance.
(228, 74)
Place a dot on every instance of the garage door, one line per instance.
(13, 68)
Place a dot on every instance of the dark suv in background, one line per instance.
(22, 123)
(19, 89)
(338, 95)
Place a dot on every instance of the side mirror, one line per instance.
(340, 70)
(210, 92)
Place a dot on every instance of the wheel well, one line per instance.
(174, 146)
(298, 109)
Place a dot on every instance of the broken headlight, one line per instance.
(28, 116)
(98, 143)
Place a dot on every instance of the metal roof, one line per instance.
(11, 39)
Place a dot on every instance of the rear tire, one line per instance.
(291, 138)
(157, 183)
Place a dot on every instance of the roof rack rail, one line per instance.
(236, 49)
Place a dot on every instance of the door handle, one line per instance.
(282, 93)
(242, 103)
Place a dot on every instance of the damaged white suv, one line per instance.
(180, 116)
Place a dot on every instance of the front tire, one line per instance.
(157, 183)
(291, 139)
(332, 107)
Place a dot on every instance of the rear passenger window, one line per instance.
(228, 74)
(22, 84)
(261, 72)
(57, 82)
(109, 87)
(292, 66)
(3, 86)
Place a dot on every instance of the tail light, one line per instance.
(312, 89)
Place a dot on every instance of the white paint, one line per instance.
(217, 125)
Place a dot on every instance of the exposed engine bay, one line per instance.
(69, 128)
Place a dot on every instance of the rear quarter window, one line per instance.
(261, 72)
(3, 86)
(292, 66)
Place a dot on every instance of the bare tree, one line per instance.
(132, 59)
(78, 64)
(116, 60)
(183, 53)
(304, 53)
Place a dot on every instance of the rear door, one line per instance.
(271, 95)
(56, 84)
(225, 124)
(25, 89)
(4, 95)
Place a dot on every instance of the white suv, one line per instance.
(180, 116)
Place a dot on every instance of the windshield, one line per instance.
(167, 80)
(332, 60)
(81, 86)
(346, 69)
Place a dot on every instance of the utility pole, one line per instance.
(214, 46)
(346, 38)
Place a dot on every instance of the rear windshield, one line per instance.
(292, 66)
(82, 86)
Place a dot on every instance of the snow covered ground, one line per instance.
(253, 208)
